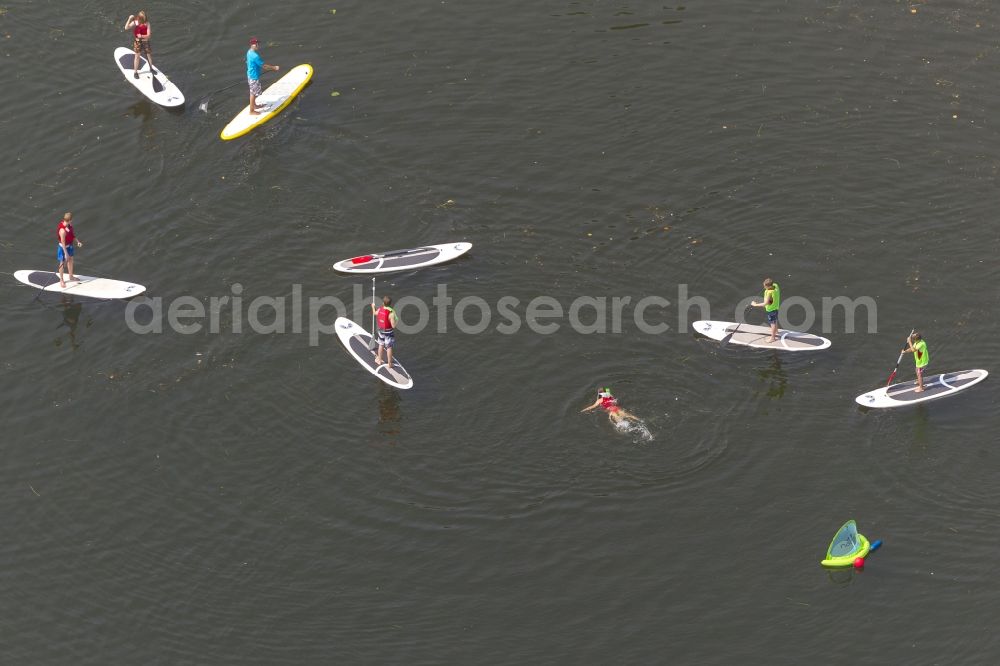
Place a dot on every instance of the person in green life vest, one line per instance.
(771, 303)
(918, 347)
(385, 316)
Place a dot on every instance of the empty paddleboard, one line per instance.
(935, 386)
(275, 97)
(750, 335)
(156, 86)
(402, 260)
(355, 339)
(90, 287)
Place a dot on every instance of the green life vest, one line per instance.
(920, 354)
(775, 297)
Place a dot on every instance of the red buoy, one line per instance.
(859, 563)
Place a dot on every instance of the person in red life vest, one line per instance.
(64, 251)
(385, 318)
(605, 400)
(141, 32)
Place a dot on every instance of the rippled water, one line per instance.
(243, 498)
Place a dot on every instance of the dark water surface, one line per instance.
(239, 498)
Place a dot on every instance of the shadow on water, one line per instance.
(389, 413)
(774, 377)
(841, 577)
(71, 312)
(142, 109)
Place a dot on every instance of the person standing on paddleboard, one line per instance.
(771, 303)
(141, 32)
(918, 347)
(64, 251)
(605, 400)
(385, 317)
(256, 64)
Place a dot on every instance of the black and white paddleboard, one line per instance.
(355, 339)
(82, 286)
(750, 335)
(402, 260)
(153, 84)
(935, 386)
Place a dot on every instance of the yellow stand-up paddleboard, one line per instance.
(276, 97)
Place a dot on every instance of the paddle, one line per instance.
(374, 341)
(203, 106)
(724, 341)
(157, 86)
(898, 360)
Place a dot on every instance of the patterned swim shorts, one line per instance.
(139, 46)
(254, 87)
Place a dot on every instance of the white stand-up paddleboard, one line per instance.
(356, 340)
(275, 97)
(156, 86)
(749, 335)
(82, 286)
(935, 386)
(402, 260)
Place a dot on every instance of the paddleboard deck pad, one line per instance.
(90, 287)
(750, 335)
(935, 386)
(356, 339)
(402, 260)
(275, 97)
(156, 87)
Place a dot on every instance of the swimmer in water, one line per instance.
(607, 401)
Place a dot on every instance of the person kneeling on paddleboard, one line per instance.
(771, 303)
(141, 32)
(385, 317)
(918, 347)
(256, 64)
(605, 400)
(64, 251)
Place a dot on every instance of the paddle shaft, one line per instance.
(374, 341)
(144, 48)
(724, 341)
(900, 359)
(205, 98)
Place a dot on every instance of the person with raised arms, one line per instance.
(255, 65)
(64, 251)
(916, 345)
(607, 401)
(141, 32)
(385, 318)
(771, 303)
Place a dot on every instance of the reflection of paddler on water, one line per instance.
(605, 400)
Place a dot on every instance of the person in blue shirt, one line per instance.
(255, 65)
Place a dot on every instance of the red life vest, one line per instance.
(70, 236)
(608, 402)
(384, 319)
(140, 30)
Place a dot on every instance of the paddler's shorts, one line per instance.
(772, 317)
(387, 338)
(138, 46)
(254, 87)
(59, 253)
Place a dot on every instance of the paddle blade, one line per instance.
(725, 341)
(157, 86)
(891, 377)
